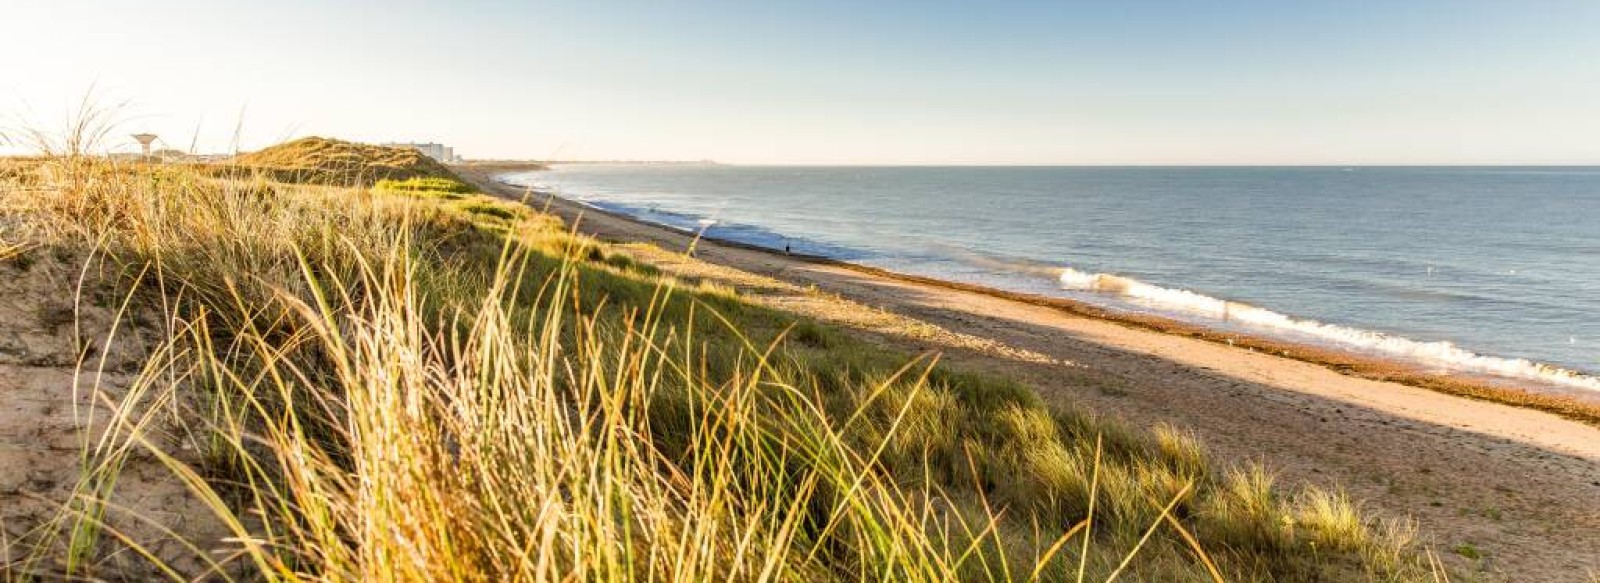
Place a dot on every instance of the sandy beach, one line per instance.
(1516, 486)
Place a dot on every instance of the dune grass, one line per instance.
(437, 184)
(379, 385)
(335, 162)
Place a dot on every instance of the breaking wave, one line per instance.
(1442, 354)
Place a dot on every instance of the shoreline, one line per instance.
(1520, 485)
(1562, 401)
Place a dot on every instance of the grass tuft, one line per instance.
(371, 384)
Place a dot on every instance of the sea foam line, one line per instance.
(1440, 353)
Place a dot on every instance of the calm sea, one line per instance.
(1477, 270)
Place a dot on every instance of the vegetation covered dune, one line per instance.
(334, 162)
(395, 378)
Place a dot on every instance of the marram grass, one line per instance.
(376, 385)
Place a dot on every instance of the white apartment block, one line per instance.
(438, 152)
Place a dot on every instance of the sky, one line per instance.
(831, 82)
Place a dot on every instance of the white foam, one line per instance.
(1440, 354)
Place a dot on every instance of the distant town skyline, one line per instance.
(828, 82)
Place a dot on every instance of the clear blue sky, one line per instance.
(1259, 82)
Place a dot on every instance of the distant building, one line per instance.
(438, 152)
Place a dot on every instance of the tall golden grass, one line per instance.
(397, 385)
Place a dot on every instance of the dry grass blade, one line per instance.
(1166, 513)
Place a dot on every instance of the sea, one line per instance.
(1482, 271)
